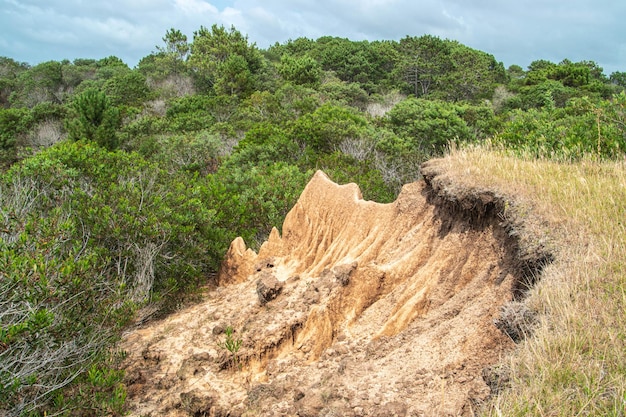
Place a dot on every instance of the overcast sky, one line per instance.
(515, 32)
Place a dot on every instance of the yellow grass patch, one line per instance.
(574, 364)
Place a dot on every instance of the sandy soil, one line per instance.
(356, 309)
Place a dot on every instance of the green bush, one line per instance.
(94, 119)
(144, 126)
(301, 71)
(262, 106)
(13, 123)
(261, 134)
(344, 169)
(546, 94)
(194, 152)
(278, 150)
(62, 311)
(583, 127)
(127, 88)
(250, 200)
(190, 113)
(324, 129)
(86, 235)
(349, 94)
(427, 126)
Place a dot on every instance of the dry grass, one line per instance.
(574, 364)
(380, 107)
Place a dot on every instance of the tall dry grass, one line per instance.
(574, 363)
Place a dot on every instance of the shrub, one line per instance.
(250, 200)
(127, 88)
(86, 235)
(343, 169)
(428, 125)
(301, 71)
(13, 124)
(582, 127)
(194, 152)
(60, 312)
(94, 119)
(323, 130)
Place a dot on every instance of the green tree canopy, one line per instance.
(9, 73)
(425, 60)
(94, 119)
(427, 126)
(324, 129)
(225, 60)
(618, 78)
(127, 88)
(176, 50)
(303, 71)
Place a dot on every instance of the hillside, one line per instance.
(127, 194)
(357, 308)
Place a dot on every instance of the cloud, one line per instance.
(514, 32)
(369, 20)
(192, 7)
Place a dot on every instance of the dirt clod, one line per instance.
(268, 287)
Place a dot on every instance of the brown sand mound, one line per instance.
(359, 309)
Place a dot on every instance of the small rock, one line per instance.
(188, 368)
(198, 402)
(355, 402)
(342, 349)
(272, 367)
(343, 273)
(293, 279)
(309, 405)
(268, 287)
(218, 329)
(342, 366)
(311, 295)
(392, 409)
(202, 357)
(298, 395)
(152, 355)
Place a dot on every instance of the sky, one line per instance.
(514, 32)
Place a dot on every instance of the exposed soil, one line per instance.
(359, 309)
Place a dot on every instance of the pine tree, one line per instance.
(95, 119)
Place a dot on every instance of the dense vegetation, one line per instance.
(122, 188)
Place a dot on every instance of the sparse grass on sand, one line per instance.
(574, 363)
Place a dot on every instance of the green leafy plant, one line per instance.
(232, 345)
(304, 71)
(14, 123)
(427, 126)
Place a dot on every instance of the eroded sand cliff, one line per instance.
(355, 309)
